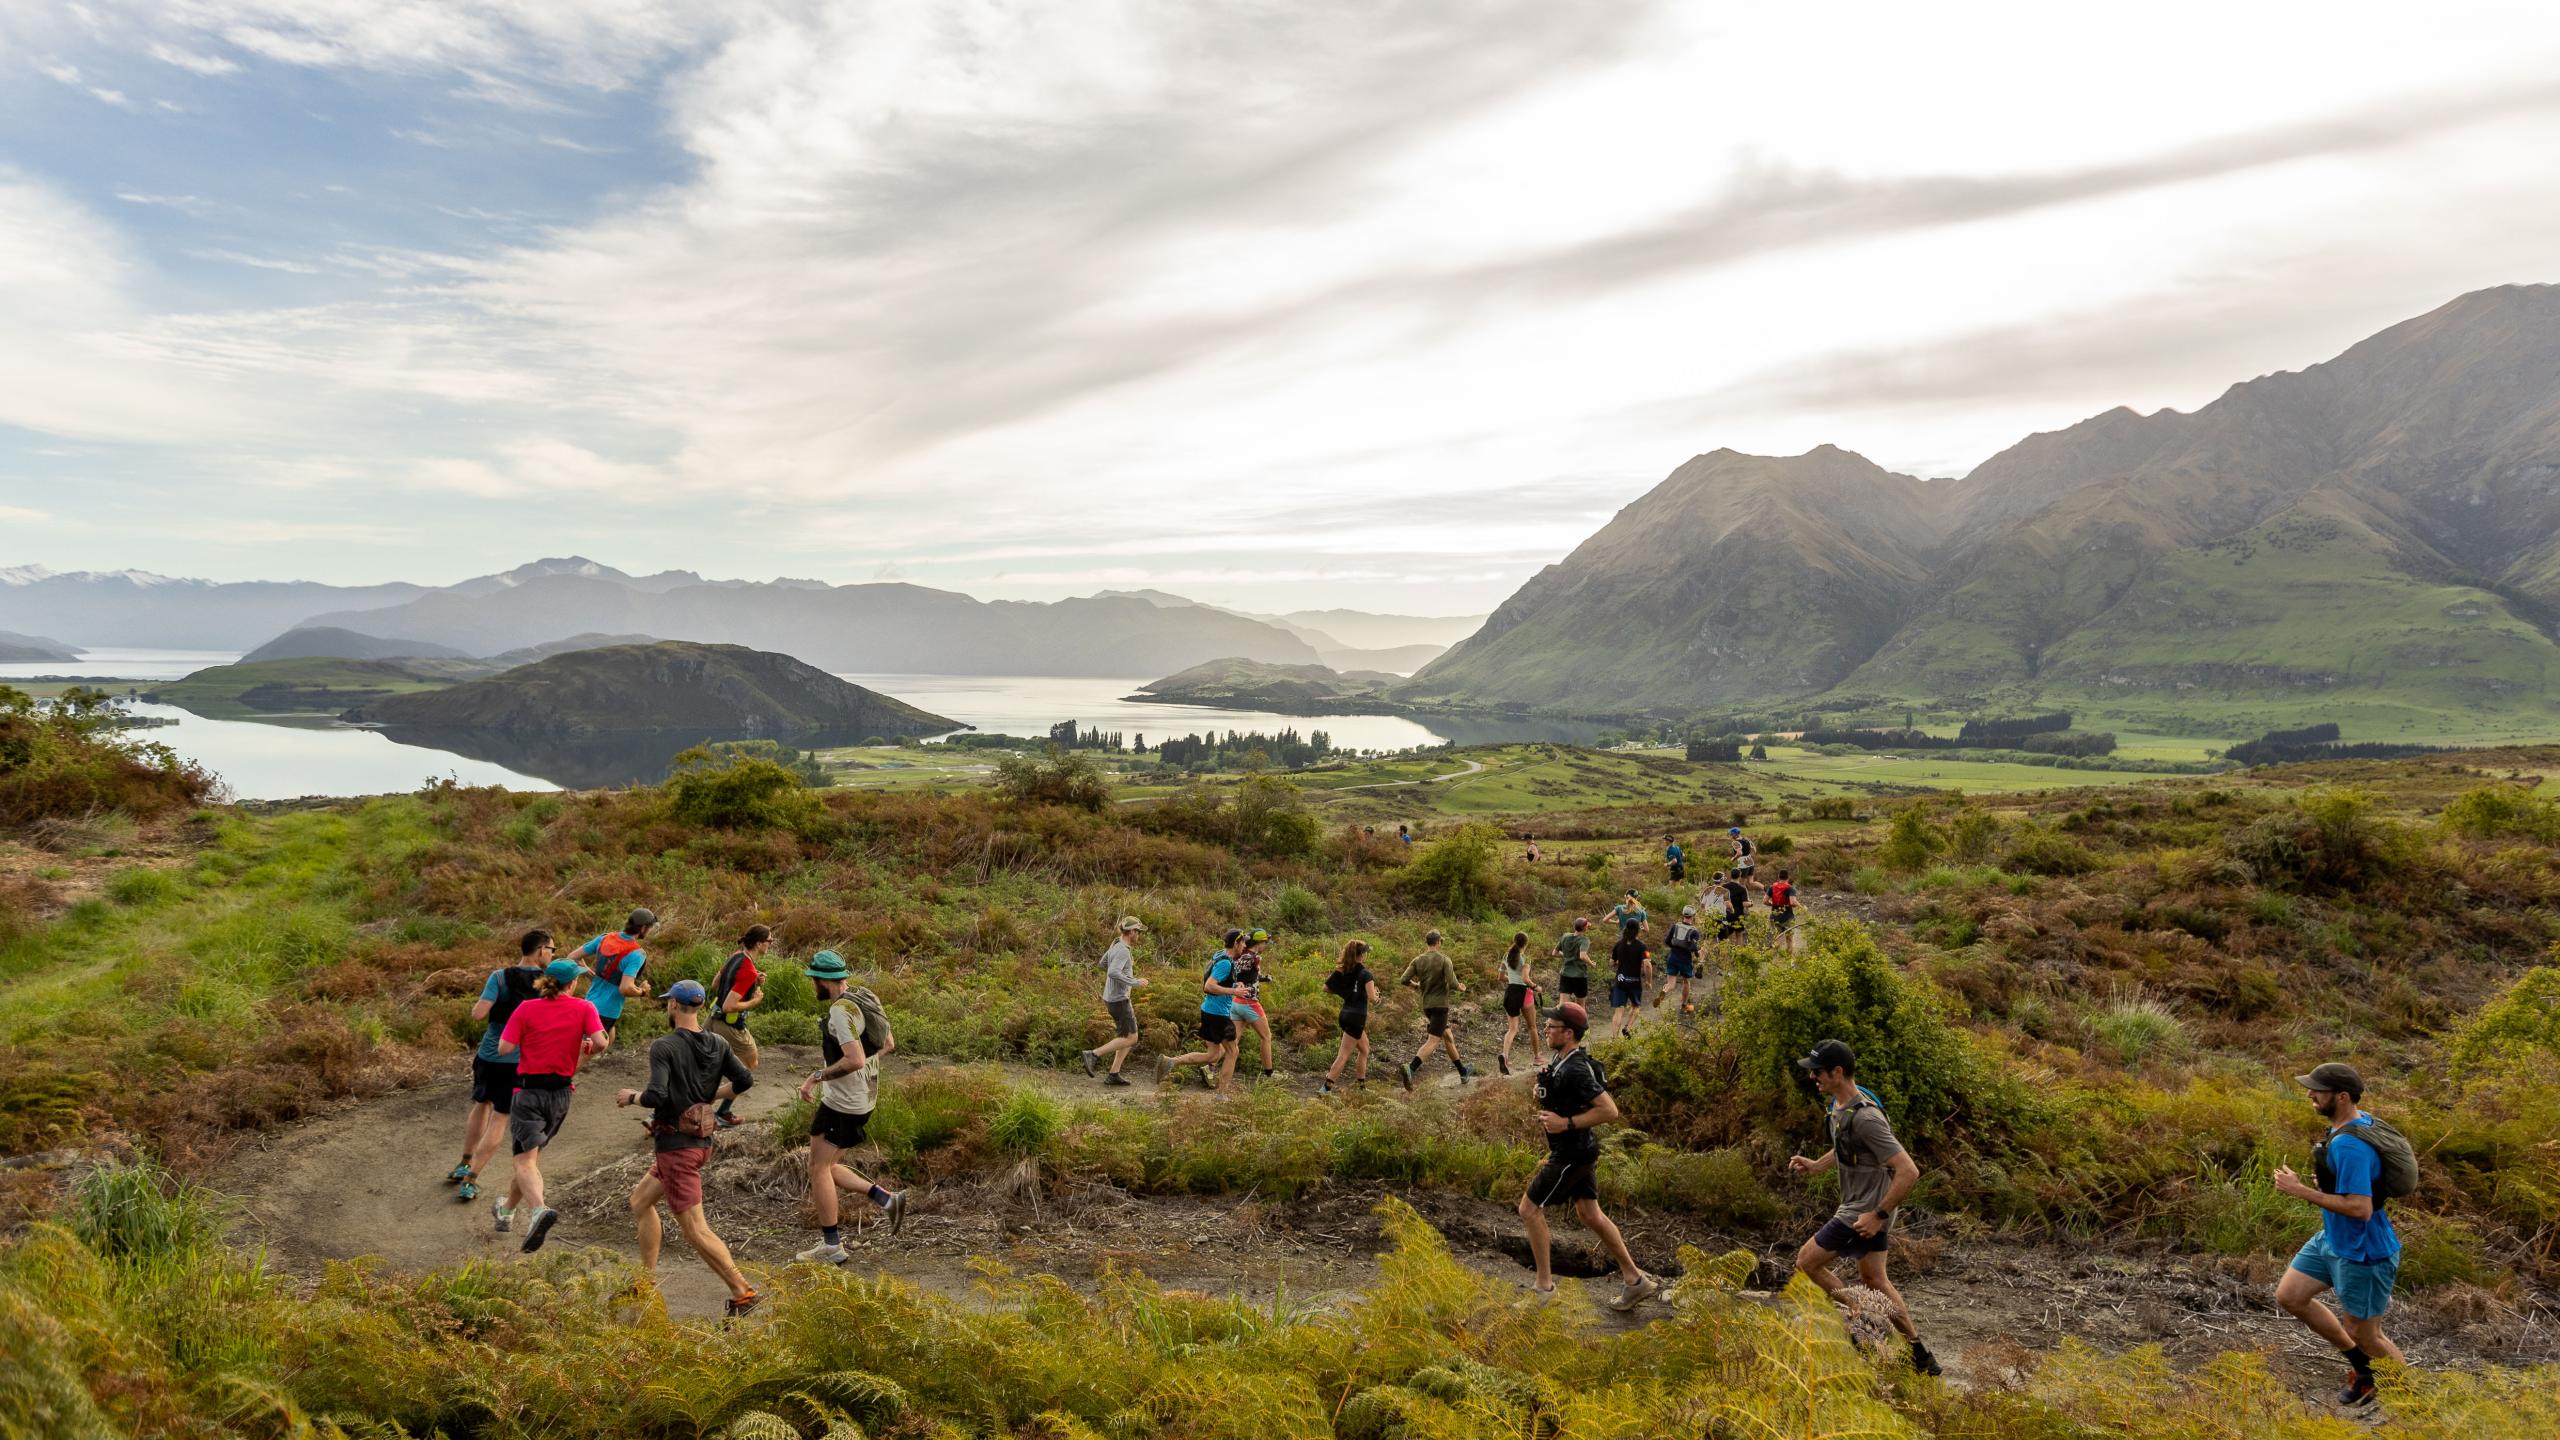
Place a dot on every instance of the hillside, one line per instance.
(1256, 685)
(16, 649)
(305, 685)
(1400, 644)
(592, 640)
(338, 643)
(705, 691)
(2375, 539)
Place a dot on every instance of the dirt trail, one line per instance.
(367, 1181)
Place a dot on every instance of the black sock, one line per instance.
(2360, 1360)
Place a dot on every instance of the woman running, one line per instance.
(1519, 996)
(1352, 982)
(547, 1036)
(1248, 998)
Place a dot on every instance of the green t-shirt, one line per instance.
(1436, 975)
(1576, 950)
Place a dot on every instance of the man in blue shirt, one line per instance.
(493, 1076)
(1217, 1061)
(615, 961)
(2355, 1252)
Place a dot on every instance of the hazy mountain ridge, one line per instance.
(710, 691)
(2422, 465)
(16, 649)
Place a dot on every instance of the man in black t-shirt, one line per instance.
(1573, 1100)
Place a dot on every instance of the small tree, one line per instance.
(1912, 840)
(1059, 777)
(1456, 872)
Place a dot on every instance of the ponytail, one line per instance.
(1351, 953)
(546, 987)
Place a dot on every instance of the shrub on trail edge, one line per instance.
(66, 760)
(1457, 872)
(736, 791)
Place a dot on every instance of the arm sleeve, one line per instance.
(661, 1079)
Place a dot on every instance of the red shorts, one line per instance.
(679, 1173)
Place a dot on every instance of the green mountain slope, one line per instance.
(707, 691)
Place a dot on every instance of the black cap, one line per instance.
(640, 920)
(1829, 1055)
(2333, 1076)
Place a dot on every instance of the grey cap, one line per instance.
(2333, 1076)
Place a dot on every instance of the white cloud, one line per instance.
(190, 204)
(201, 64)
(20, 515)
(257, 262)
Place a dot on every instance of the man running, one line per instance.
(1431, 973)
(548, 1035)
(688, 1070)
(1120, 985)
(1743, 851)
(1217, 1062)
(1676, 858)
(1782, 904)
(1519, 998)
(1630, 911)
(2355, 1252)
(1680, 946)
(1573, 1100)
(1631, 962)
(847, 1089)
(1404, 834)
(1246, 1004)
(1875, 1173)
(1573, 961)
(615, 961)
(737, 989)
(1737, 901)
(1351, 983)
(493, 1076)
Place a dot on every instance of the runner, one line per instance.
(1875, 1173)
(1573, 973)
(1532, 855)
(1247, 1004)
(1519, 995)
(1404, 833)
(1120, 983)
(1634, 970)
(737, 989)
(1573, 1100)
(1431, 973)
(1676, 858)
(2355, 1252)
(615, 961)
(688, 1070)
(1358, 990)
(1743, 851)
(1217, 1062)
(1715, 904)
(493, 1076)
(1680, 946)
(852, 1040)
(548, 1035)
(1782, 904)
(1737, 903)
(1630, 911)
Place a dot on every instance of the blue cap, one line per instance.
(1733, 830)
(564, 972)
(687, 992)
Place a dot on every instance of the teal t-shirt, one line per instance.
(606, 995)
(1223, 971)
(2354, 1166)
(494, 990)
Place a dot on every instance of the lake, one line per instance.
(291, 756)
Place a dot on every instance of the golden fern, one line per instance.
(760, 1425)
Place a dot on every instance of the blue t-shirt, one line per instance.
(606, 995)
(494, 990)
(2354, 1166)
(1223, 971)
(1672, 853)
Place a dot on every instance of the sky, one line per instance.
(1280, 305)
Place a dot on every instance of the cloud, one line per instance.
(70, 75)
(190, 204)
(257, 262)
(291, 532)
(531, 467)
(20, 515)
(200, 64)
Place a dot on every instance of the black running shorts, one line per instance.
(1124, 1017)
(1354, 1023)
(536, 1116)
(493, 1083)
(1576, 986)
(1217, 1029)
(1513, 997)
(1435, 1020)
(1842, 1238)
(1562, 1182)
(843, 1131)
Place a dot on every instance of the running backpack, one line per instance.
(2397, 1177)
(515, 984)
(611, 949)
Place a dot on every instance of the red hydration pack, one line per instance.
(610, 949)
(1782, 895)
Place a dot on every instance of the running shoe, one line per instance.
(897, 1210)
(1090, 1060)
(1164, 1067)
(1923, 1361)
(1209, 1077)
(458, 1173)
(538, 1229)
(506, 1217)
(469, 1192)
(1267, 1074)
(741, 1304)
(1404, 1072)
(823, 1253)
(1645, 1288)
(1504, 1061)
(1115, 1078)
(725, 1120)
(2359, 1393)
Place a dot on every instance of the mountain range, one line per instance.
(1398, 644)
(2374, 539)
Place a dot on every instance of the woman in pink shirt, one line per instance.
(548, 1035)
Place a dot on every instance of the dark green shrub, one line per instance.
(734, 791)
(2041, 850)
(1455, 874)
(69, 759)
(1058, 777)
(1912, 840)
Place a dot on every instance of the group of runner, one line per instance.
(546, 1013)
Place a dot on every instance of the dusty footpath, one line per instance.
(367, 1180)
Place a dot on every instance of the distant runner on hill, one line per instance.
(853, 1038)
(1217, 1019)
(1630, 911)
(1404, 834)
(615, 961)
(1246, 1004)
(736, 990)
(1676, 858)
(1352, 983)
(1519, 997)
(1573, 1100)
(1875, 1173)
(1431, 973)
(1743, 852)
(1737, 903)
(2355, 1252)
(493, 1075)
(1782, 903)
(1680, 946)
(1632, 963)
(549, 1034)
(1573, 956)
(688, 1071)
(1532, 853)
(1120, 985)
